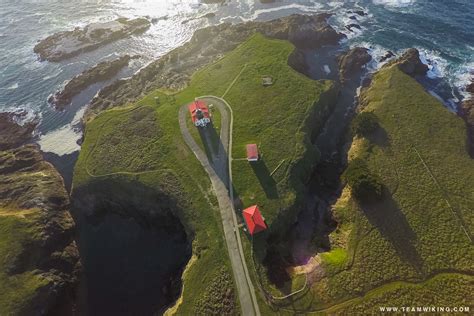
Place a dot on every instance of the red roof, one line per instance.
(254, 219)
(252, 152)
(198, 106)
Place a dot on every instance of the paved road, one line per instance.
(218, 173)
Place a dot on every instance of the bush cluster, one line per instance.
(365, 186)
(364, 124)
(219, 298)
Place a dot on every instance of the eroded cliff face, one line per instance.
(132, 245)
(39, 259)
(467, 113)
(173, 71)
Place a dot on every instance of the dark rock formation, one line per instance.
(352, 26)
(352, 62)
(466, 111)
(13, 134)
(410, 63)
(100, 72)
(173, 70)
(67, 44)
(32, 194)
(389, 54)
(470, 88)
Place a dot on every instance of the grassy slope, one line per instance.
(412, 235)
(16, 289)
(136, 140)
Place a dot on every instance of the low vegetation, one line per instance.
(364, 185)
(143, 141)
(413, 245)
(17, 288)
(364, 124)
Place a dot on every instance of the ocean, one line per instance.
(443, 31)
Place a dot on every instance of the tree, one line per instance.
(364, 185)
(364, 124)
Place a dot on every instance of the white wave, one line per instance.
(437, 65)
(24, 114)
(394, 3)
(462, 77)
(12, 87)
(327, 70)
(316, 7)
(63, 140)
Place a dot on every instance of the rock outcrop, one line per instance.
(466, 111)
(67, 44)
(352, 62)
(100, 72)
(41, 260)
(173, 70)
(410, 63)
(13, 134)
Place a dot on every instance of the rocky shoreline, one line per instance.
(466, 111)
(173, 71)
(32, 193)
(100, 72)
(67, 44)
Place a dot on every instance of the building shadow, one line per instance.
(211, 141)
(267, 182)
(386, 216)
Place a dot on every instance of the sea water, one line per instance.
(443, 31)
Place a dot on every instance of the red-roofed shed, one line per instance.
(254, 220)
(252, 152)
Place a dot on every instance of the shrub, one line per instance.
(364, 185)
(364, 124)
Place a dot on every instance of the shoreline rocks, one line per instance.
(32, 194)
(13, 134)
(466, 111)
(174, 69)
(63, 45)
(100, 72)
(410, 63)
(352, 62)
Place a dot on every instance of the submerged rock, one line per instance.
(173, 70)
(100, 72)
(67, 44)
(42, 259)
(389, 54)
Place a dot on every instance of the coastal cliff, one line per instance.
(40, 262)
(172, 72)
(63, 45)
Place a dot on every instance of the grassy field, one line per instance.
(142, 142)
(413, 246)
(17, 289)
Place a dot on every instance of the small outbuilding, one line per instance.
(254, 220)
(252, 152)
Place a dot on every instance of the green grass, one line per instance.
(143, 142)
(17, 288)
(408, 248)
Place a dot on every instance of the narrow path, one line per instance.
(388, 285)
(455, 213)
(221, 180)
